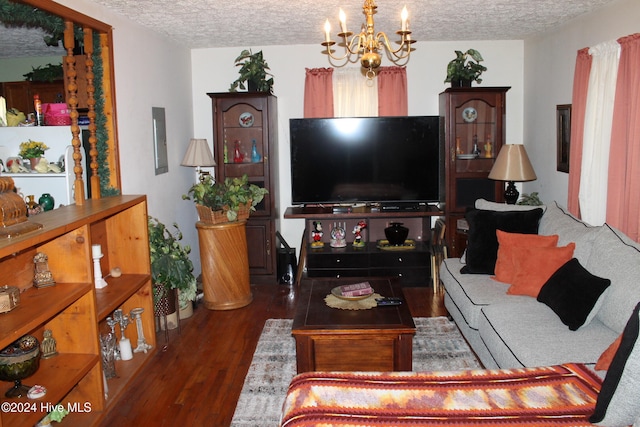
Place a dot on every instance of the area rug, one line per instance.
(437, 346)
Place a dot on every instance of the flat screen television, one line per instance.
(383, 160)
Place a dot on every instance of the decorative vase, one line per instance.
(46, 201)
(396, 234)
(33, 162)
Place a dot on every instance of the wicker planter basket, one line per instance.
(209, 216)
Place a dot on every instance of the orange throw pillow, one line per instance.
(534, 266)
(607, 356)
(505, 268)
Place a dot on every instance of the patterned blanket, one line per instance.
(563, 395)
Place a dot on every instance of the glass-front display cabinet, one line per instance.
(473, 132)
(245, 141)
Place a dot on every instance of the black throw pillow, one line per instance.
(572, 292)
(482, 242)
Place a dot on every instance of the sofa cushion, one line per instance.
(615, 257)
(556, 220)
(523, 332)
(505, 267)
(534, 266)
(572, 293)
(482, 246)
(618, 403)
(471, 292)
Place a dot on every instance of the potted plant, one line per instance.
(32, 151)
(462, 70)
(253, 71)
(171, 268)
(228, 200)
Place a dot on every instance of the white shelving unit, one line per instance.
(58, 139)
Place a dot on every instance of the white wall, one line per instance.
(549, 66)
(214, 70)
(151, 71)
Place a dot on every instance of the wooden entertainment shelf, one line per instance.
(73, 309)
(411, 266)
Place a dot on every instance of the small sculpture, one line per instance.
(488, 147)
(42, 276)
(317, 235)
(338, 236)
(357, 231)
(48, 345)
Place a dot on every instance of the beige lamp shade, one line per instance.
(198, 154)
(512, 164)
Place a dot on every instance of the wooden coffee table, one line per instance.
(330, 339)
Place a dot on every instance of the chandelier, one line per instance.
(368, 44)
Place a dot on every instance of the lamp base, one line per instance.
(511, 194)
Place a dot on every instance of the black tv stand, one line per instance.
(400, 207)
(412, 267)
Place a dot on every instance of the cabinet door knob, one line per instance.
(399, 259)
(80, 239)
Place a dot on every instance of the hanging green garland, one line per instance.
(102, 136)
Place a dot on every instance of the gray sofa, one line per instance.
(512, 331)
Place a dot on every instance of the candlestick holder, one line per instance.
(112, 324)
(97, 270)
(126, 352)
(136, 314)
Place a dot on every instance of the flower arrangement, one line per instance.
(32, 149)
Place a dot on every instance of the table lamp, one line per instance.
(198, 154)
(512, 165)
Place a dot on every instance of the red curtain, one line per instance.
(623, 189)
(318, 92)
(392, 91)
(579, 104)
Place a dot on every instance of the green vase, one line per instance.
(46, 201)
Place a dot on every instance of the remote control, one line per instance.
(388, 301)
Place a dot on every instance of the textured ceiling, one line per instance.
(247, 23)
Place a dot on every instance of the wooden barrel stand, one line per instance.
(225, 265)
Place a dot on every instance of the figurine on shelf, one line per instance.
(317, 235)
(488, 147)
(255, 156)
(238, 157)
(42, 276)
(476, 149)
(48, 345)
(357, 231)
(338, 236)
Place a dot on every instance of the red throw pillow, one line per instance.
(534, 266)
(607, 356)
(505, 268)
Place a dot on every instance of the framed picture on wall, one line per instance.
(563, 129)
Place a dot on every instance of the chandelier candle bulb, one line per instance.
(404, 15)
(327, 31)
(343, 21)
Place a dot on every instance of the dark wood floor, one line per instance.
(197, 379)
